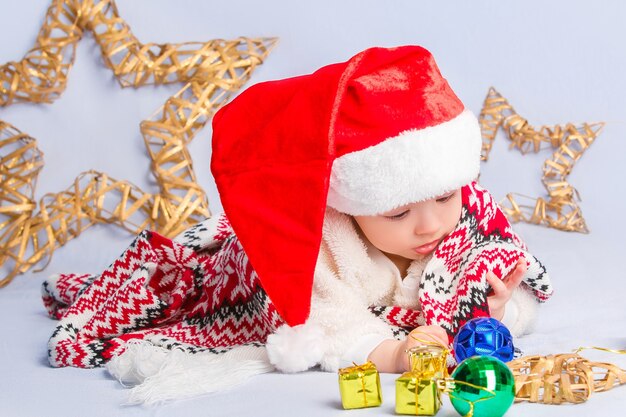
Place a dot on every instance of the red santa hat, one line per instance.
(364, 136)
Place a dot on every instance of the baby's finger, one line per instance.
(496, 283)
(429, 334)
(440, 333)
(516, 276)
(440, 338)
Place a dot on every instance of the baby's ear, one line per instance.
(295, 349)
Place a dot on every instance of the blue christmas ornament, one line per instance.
(483, 336)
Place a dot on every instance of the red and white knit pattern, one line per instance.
(198, 292)
(164, 292)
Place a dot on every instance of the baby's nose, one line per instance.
(427, 223)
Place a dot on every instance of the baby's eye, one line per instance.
(398, 216)
(445, 198)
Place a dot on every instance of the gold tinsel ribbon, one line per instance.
(211, 71)
(566, 377)
(559, 210)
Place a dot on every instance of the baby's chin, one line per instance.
(414, 256)
(420, 257)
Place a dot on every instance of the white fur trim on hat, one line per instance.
(414, 166)
(295, 349)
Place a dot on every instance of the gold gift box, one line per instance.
(417, 392)
(360, 386)
(417, 395)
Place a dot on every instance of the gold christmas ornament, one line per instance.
(559, 210)
(210, 71)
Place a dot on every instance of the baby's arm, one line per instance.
(391, 355)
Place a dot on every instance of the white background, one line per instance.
(556, 62)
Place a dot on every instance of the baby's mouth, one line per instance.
(426, 248)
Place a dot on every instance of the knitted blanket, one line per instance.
(199, 293)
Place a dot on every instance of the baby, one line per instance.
(351, 220)
(376, 157)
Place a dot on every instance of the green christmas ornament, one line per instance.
(484, 387)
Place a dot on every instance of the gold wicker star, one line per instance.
(570, 141)
(211, 72)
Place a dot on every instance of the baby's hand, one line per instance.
(503, 289)
(419, 336)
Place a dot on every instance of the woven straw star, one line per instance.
(210, 72)
(559, 210)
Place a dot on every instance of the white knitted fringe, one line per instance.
(159, 375)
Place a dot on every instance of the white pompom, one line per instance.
(295, 349)
(139, 361)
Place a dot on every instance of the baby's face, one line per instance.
(415, 230)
